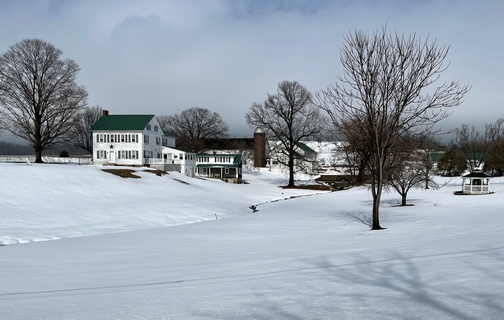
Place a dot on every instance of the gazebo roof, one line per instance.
(476, 175)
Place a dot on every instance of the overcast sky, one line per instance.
(161, 57)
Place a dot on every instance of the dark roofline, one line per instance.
(476, 175)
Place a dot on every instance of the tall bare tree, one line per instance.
(288, 116)
(80, 134)
(387, 92)
(39, 93)
(194, 125)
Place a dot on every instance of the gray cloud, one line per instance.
(162, 57)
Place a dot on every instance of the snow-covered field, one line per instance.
(152, 248)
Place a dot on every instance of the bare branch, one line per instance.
(194, 125)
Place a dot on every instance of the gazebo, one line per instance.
(476, 183)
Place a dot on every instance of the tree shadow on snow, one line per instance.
(363, 217)
(397, 285)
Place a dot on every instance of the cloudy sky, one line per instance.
(161, 57)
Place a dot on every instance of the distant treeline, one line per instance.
(9, 148)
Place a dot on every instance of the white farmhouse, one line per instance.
(128, 139)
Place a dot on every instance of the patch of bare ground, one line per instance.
(123, 173)
(319, 187)
(406, 205)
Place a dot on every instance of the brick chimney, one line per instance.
(259, 148)
(105, 112)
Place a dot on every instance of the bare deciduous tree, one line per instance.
(39, 93)
(473, 144)
(387, 92)
(194, 125)
(409, 172)
(288, 116)
(80, 134)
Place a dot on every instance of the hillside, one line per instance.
(310, 257)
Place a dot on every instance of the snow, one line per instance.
(152, 248)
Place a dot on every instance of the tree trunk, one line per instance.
(38, 137)
(291, 172)
(403, 198)
(427, 172)
(376, 214)
(360, 175)
(376, 187)
(38, 155)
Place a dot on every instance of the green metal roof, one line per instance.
(168, 134)
(436, 156)
(236, 159)
(122, 122)
(304, 147)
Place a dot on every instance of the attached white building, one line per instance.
(128, 139)
(179, 160)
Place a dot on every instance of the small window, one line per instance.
(148, 127)
(156, 128)
(122, 137)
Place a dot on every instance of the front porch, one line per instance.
(226, 173)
